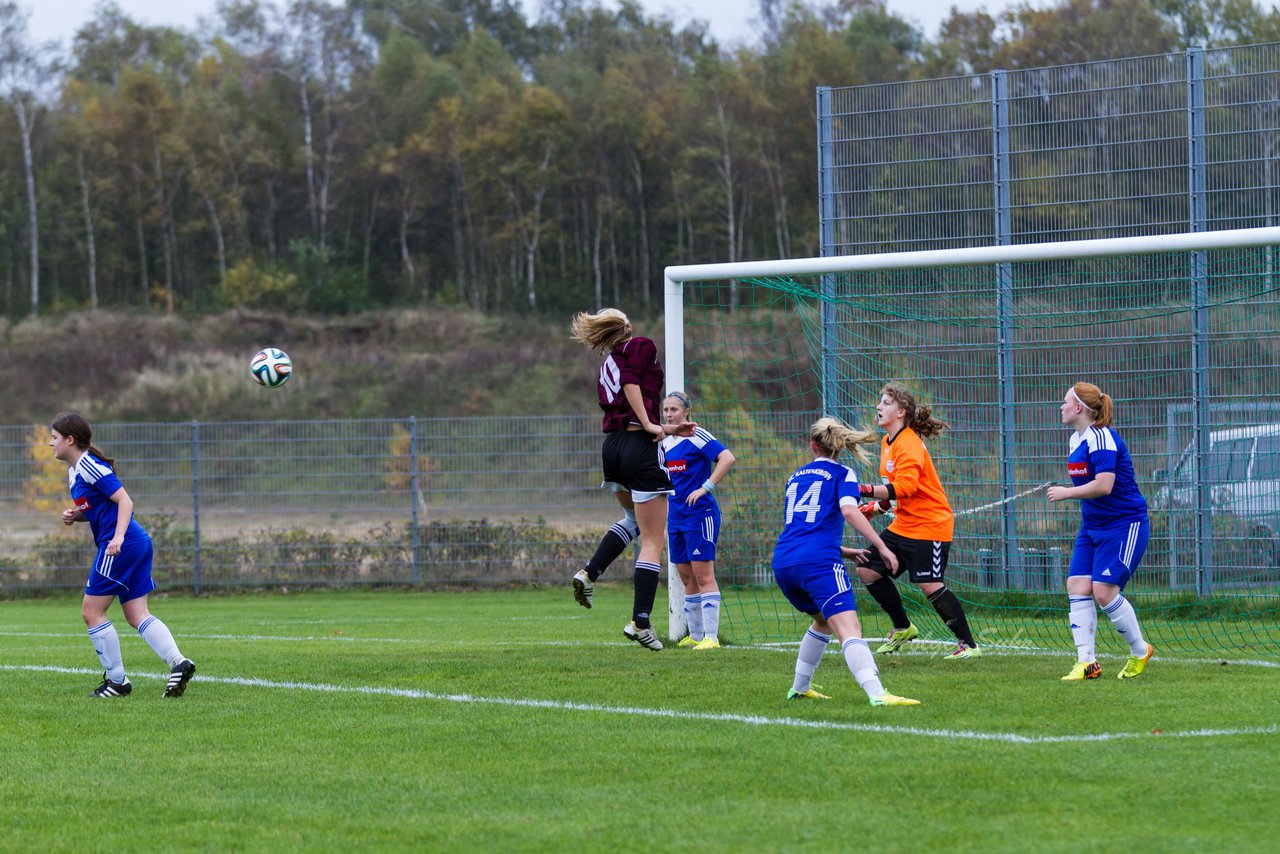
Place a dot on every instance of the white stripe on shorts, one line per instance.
(1130, 544)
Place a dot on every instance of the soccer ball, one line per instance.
(271, 367)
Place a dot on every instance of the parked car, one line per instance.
(1242, 476)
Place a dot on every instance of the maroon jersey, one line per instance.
(633, 362)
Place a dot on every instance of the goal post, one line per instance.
(1187, 320)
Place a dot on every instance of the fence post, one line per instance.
(831, 396)
(1004, 311)
(1198, 199)
(413, 492)
(195, 501)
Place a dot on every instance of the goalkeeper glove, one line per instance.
(875, 508)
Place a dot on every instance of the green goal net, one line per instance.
(1185, 339)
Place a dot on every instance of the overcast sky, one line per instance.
(59, 19)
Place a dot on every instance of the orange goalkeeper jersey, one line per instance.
(923, 510)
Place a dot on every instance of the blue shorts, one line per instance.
(126, 575)
(1110, 555)
(812, 588)
(695, 539)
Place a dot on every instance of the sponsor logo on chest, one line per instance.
(82, 504)
(888, 466)
(677, 466)
(1080, 469)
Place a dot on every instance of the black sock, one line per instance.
(952, 613)
(613, 543)
(646, 581)
(885, 592)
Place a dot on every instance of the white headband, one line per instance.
(1072, 391)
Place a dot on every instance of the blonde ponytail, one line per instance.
(833, 437)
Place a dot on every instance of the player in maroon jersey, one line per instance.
(630, 391)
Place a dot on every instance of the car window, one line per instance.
(1229, 461)
(1266, 466)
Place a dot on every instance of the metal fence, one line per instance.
(1184, 142)
(1148, 145)
(241, 504)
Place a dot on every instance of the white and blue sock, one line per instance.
(693, 615)
(812, 645)
(1084, 627)
(711, 615)
(106, 643)
(1126, 622)
(863, 667)
(158, 637)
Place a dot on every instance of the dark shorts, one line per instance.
(631, 463)
(921, 560)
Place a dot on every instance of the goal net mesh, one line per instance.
(1182, 342)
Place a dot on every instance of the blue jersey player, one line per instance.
(696, 465)
(820, 497)
(122, 568)
(1114, 530)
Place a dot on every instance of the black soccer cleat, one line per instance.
(112, 689)
(179, 676)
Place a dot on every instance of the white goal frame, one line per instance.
(676, 277)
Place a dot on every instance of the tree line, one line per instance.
(330, 158)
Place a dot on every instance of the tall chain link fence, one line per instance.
(433, 501)
(1184, 142)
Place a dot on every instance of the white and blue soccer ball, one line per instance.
(271, 367)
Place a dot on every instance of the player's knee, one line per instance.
(628, 523)
(704, 575)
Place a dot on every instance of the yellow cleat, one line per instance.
(1136, 664)
(964, 651)
(811, 694)
(897, 639)
(1083, 670)
(687, 641)
(707, 643)
(893, 700)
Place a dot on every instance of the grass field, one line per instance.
(396, 720)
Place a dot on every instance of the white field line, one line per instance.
(634, 711)
(787, 647)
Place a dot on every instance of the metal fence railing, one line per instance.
(413, 500)
(1148, 145)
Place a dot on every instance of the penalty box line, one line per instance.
(673, 714)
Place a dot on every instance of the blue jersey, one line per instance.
(814, 524)
(1100, 449)
(92, 484)
(689, 461)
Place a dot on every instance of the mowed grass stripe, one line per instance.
(729, 648)
(750, 720)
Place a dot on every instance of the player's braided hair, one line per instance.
(603, 330)
(1100, 405)
(833, 437)
(919, 418)
(76, 427)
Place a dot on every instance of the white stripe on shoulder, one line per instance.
(1100, 439)
(704, 435)
(91, 470)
